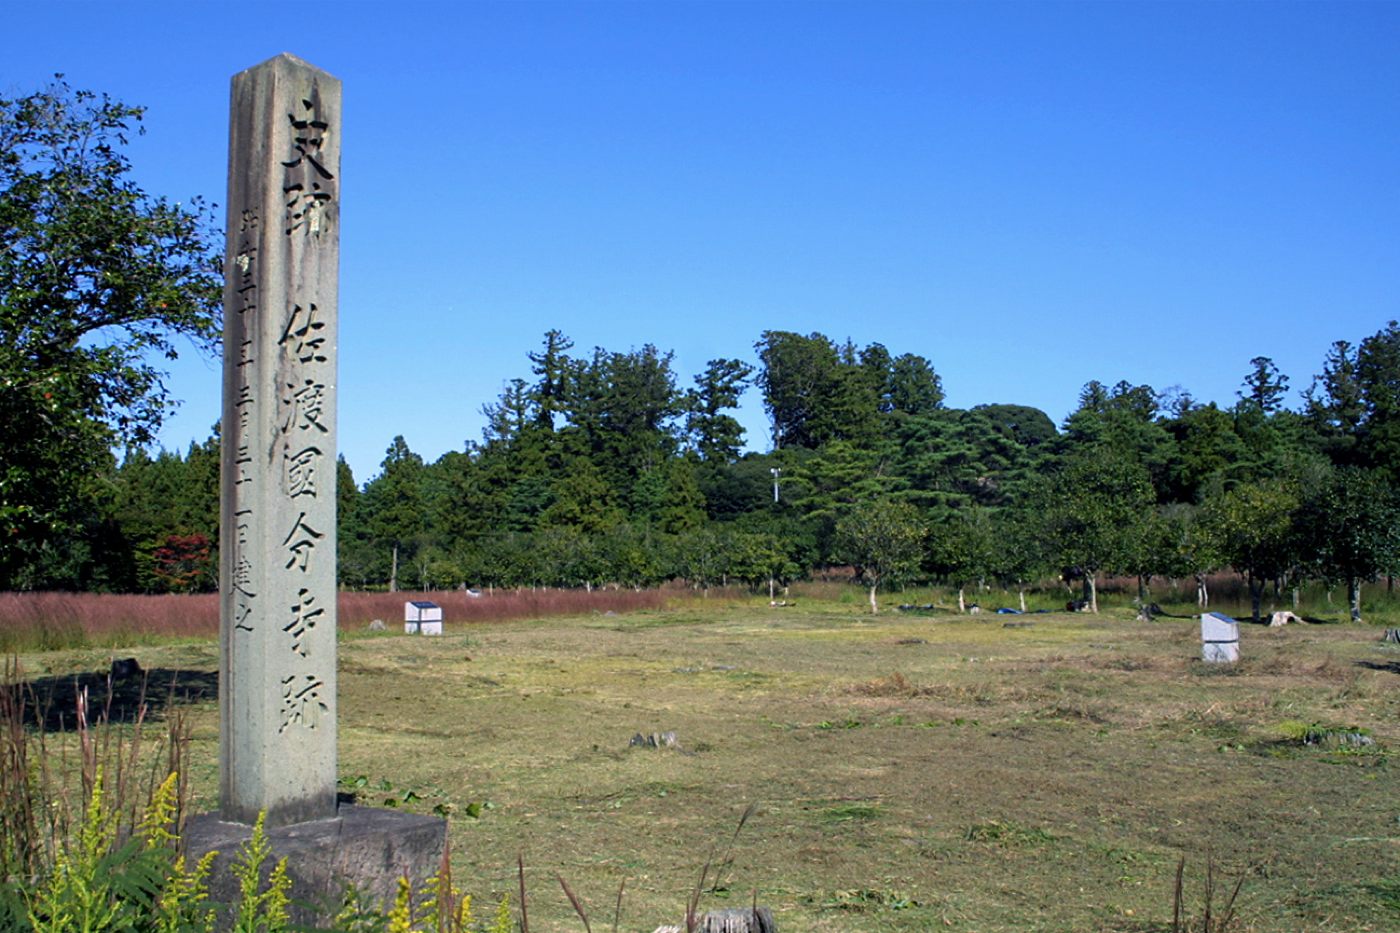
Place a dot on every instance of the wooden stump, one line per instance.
(731, 920)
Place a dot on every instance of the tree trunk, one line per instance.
(1354, 598)
(1297, 596)
(1142, 590)
(1256, 595)
(770, 589)
(1021, 591)
(1091, 583)
(962, 603)
(1202, 595)
(394, 572)
(873, 606)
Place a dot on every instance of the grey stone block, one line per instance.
(364, 847)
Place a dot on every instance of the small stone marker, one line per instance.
(654, 740)
(1220, 639)
(730, 920)
(421, 617)
(278, 535)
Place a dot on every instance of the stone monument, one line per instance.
(277, 671)
(278, 542)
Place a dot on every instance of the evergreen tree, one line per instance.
(1264, 386)
(714, 435)
(1335, 404)
(551, 367)
(393, 513)
(1378, 376)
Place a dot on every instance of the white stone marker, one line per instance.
(421, 617)
(277, 688)
(1220, 638)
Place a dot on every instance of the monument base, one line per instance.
(361, 847)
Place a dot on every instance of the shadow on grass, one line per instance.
(1391, 666)
(52, 702)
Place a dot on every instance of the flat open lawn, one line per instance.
(908, 773)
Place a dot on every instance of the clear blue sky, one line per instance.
(1030, 195)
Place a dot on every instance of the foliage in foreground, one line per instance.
(107, 854)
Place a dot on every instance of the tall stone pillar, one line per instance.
(277, 685)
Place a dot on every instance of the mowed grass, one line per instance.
(907, 773)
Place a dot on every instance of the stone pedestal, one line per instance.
(363, 847)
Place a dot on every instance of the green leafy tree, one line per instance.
(1092, 510)
(1254, 527)
(1018, 555)
(1190, 547)
(882, 539)
(97, 278)
(1352, 526)
(762, 557)
(962, 550)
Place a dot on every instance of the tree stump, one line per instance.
(731, 920)
(1392, 635)
(738, 920)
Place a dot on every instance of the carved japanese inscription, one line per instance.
(278, 538)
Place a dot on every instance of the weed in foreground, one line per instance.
(1209, 921)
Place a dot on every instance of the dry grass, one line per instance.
(58, 620)
(73, 620)
(905, 773)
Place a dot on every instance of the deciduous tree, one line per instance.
(882, 539)
(1351, 526)
(98, 278)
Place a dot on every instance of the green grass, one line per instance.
(908, 773)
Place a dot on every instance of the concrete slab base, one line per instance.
(363, 847)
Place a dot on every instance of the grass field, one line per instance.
(908, 772)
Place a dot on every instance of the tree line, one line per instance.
(605, 467)
(601, 468)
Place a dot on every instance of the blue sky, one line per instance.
(1030, 195)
